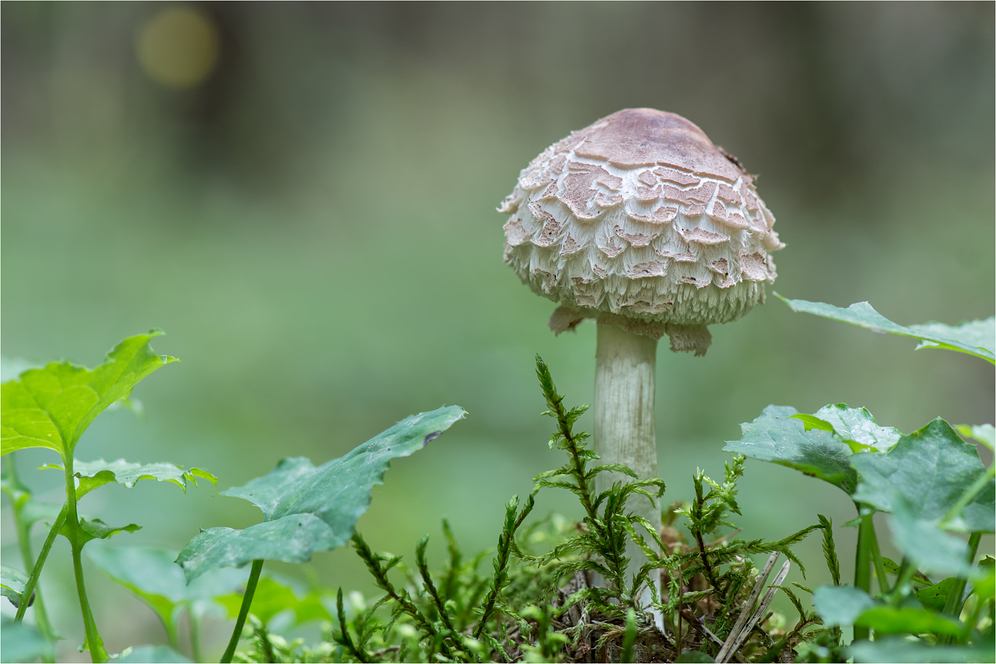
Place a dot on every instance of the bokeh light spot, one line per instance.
(178, 47)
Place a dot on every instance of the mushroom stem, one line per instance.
(625, 365)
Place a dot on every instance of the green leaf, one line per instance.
(12, 584)
(151, 574)
(147, 574)
(151, 655)
(22, 643)
(32, 511)
(694, 656)
(273, 596)
(935, 596)
(919, 578)
(898, 649)
(975, 338)
(930, 469)
(29, 510)
(859, 426)
(984, 433)
(908, 620)
(973, 334)
(310, 509)
(97, 473)
(52, 407)
(931, 549)
(775, 436)
(97, 529)
(985, 587)
(813, 422)
(841, 605)
(846, 605)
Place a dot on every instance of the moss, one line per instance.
(563, 591)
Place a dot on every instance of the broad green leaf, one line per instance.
(146, 573)
(841, 605)
(52, 407)
(898, 649)
(984, 433)
(273, 596)
(12, 584)
(20, 642)
(930, 469)
(151, 655)
(935, 596)
(931, 549)
(859, 426)
(93, 474)
(973, 334)
(97, 529)
(310, 509)
(151, 574)
(908, 620)
(975, 338)
(777, 437)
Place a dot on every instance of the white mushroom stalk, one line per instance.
(625, 371)
(641, 223)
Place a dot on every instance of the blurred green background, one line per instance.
(303, 196)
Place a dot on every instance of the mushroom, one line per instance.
(639, 222)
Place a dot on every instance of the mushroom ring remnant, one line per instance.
(639, 221)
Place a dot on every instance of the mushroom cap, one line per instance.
(640, 221)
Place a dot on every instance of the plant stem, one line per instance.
(907, 570)
(93, 640)
(625, 370)
(862, 564)
(195, 635)
(24, 542)
(172, 633)
(880, 573)
(42, 557)
(708, 568)
(954, 603)
(257, 567)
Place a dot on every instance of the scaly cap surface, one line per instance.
(640, 221)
